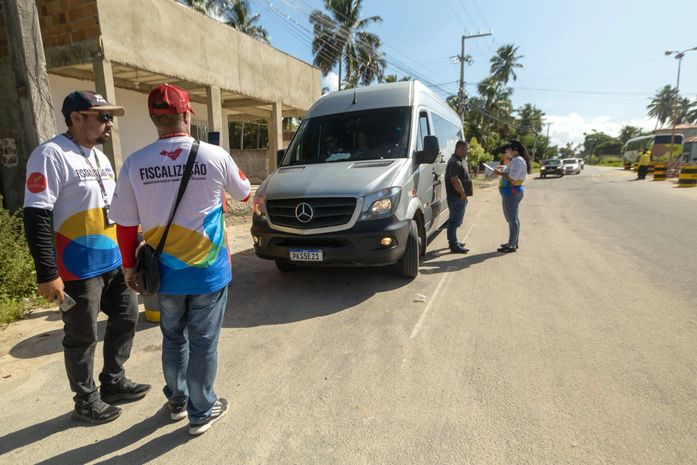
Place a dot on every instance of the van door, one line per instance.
(429, 184)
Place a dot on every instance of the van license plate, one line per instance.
(306, 255)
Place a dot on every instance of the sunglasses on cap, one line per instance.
(102, 116)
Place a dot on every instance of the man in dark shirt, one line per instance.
(457, 180)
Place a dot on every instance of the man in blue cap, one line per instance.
(69, 188)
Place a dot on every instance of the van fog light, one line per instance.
(255, 239)
(386, 241)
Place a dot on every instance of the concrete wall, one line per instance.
(168, 38)
(253, 163)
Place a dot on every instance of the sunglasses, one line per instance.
(102, 116)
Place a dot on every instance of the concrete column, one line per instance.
(217, 119)
(275, 135)
(25, 98)
(104, 84)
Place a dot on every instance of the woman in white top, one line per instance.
(512, 190)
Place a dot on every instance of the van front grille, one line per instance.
(311, 213)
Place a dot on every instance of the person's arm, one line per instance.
(45, 174)
(39, 234)
(236, 183)
(127, 237)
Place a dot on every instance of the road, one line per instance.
(579, 349)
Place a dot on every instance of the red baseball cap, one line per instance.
(167, 99)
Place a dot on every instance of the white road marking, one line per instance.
(447, 276)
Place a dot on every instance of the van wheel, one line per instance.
(423, 243)
(408, 265)
(285, 266)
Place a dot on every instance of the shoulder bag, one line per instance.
(147, 258)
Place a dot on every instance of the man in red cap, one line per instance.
(69, 185)
(195, 267)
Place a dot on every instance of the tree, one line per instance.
(628, 132)
(662, 104)
(529, 119)
(691, 117)
(335, 38)
(208, 7)
(394, 78)
(504, 64)
(237, 15)
(476, 154)
(567, 151)
(371, 61)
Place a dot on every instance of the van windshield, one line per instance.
(360, 135)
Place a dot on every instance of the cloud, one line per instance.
(570, 128)
(331, 81)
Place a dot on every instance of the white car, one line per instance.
(571, 166)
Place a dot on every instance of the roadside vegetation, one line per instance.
(17, 276)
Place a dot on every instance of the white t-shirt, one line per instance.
(517, 169)
(196, 259)
(60, 178)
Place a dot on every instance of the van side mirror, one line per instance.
(431, 150)
(279, 157)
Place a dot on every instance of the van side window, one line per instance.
(448, 133)
(423, 130)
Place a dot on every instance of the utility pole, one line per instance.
(35, 121)
(462, 59)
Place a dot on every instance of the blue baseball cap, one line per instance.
(85, 100)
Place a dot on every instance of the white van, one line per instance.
(362, 181)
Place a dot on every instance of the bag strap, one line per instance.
(182, 187)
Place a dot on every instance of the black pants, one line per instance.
(108, 293)
(643, 169)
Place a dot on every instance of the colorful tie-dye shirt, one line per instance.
(196, 258)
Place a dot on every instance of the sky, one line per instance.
(589, 65)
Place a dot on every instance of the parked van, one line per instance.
(362, 181)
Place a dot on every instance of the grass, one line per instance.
(17, 276)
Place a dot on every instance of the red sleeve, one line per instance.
(128, 240)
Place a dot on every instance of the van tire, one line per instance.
(408, 265)
(285, 267)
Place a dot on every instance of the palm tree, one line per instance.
(335, 38)
(683, 110)
(371, 61)
(208, 7)
(504, 63)
(394, 78)
(692, 115)
(662, 104)
(237, 16)
(530, 119)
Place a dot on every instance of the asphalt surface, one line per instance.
(578, 349)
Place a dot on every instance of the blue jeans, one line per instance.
(511, 204)
(190, 327)
(457, 213)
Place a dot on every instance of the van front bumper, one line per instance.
(359, 245)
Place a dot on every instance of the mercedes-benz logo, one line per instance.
(303, 212)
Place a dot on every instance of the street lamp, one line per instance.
(678, 56)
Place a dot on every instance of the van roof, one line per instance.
(388, 95)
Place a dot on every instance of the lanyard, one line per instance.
(97, 174)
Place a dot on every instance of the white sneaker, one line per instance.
(220, 408)
(177, 411)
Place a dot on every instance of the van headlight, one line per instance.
(380, 204)
(258, 207)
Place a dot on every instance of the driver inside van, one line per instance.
(332, 149)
